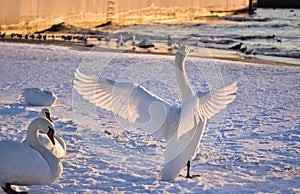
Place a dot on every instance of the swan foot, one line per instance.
(189, 176)
(194, 176)
(9, 190)
(188, 165)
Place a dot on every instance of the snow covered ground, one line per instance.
(252, 147)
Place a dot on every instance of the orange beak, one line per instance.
(51, 135)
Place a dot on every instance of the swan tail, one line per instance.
(180, 150)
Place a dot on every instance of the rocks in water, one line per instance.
(145, 44)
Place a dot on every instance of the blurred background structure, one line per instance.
(279, 3)
(34, 15)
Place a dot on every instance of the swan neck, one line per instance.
(182, 80)
(34, 142)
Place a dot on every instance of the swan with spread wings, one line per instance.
(182, 127)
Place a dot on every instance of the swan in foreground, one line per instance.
(59, 149)
(182, 127)
(38, 97)
(21, 164)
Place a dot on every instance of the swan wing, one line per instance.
(203, 106)
(62, 144)
(128, 100)
(59, 149)
(213, 102)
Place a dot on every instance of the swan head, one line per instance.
(45, 113)
(184, 50)
(43, 125)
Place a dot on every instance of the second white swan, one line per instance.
(39, 97)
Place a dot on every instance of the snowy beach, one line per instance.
(251, 147)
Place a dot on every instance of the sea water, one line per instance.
(267, 32)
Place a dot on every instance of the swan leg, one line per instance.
(9, 190)
(188, 165)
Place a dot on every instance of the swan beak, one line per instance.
(48, 116)
(51, 135)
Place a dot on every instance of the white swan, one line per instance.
(21, 164)
(59, 149)
(45, 113)
(182, 127)
(38, 97)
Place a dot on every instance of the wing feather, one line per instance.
(213, 102)
(128, 100)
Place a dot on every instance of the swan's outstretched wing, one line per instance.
(205, 105)
(213, 102)
(182, 147)
(128, 100)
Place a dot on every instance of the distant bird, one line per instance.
(99, 38)
(84, 38)
(177, 45)
(21, 164)
(270, 37)
(170, 41)
(45, 37)
(243, 48)
(133, 40)
(120, 42)
(26, 36)
(236, 47)
(19, 36)
(38, 96)
(39, 36)
(278, 39)
(12, 35)
(52, 36)
(69, 38)
(182, 127)
(107, 38)
(32, 36)
(3, 35)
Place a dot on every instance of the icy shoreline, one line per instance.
(255, 150)
(160, 49)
